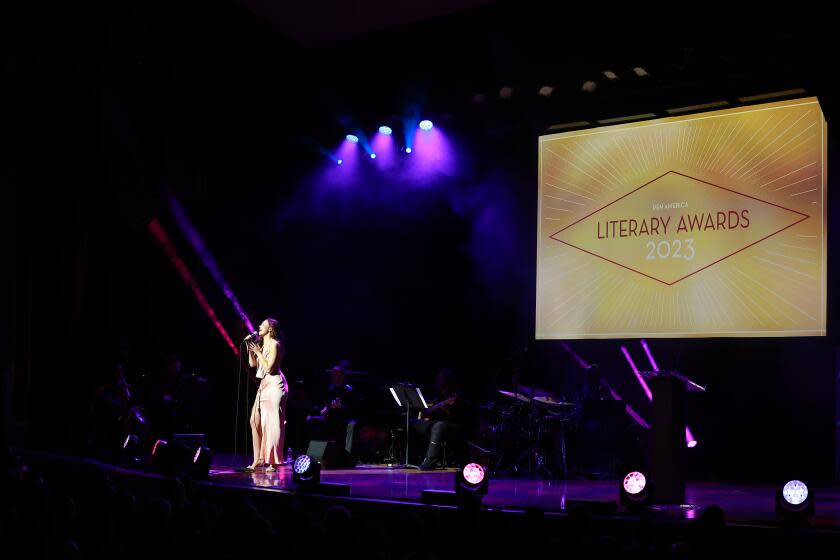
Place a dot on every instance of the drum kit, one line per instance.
(527, 429)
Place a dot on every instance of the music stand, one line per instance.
(407, 396)
(668, 461)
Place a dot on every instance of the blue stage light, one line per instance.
(306, 471)
(339, 162)
(385, 130)
(352, 138)
(372, 156)
(426, 124)
(795, 503)
(408, 150)
(795, 492)
(302, 464)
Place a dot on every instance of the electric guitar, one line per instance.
(437, 406)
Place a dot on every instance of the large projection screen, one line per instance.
(700, 225)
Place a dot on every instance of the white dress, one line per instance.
(268, 415)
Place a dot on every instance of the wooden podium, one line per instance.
(668, 448)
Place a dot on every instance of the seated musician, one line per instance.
(335, 421)
(443, 419)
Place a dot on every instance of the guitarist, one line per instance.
(443, 418)
(336, 419)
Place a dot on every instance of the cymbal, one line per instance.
(551, 401)
(531, 390)
(519, 396)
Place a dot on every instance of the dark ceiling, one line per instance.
(324, 21)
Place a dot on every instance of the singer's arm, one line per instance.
(266, 362)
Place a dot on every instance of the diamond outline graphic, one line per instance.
(552, 236)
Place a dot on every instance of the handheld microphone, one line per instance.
(253, 335)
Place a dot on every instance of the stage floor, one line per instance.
(743, 503)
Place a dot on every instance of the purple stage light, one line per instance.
(581, 362)
(346, 151)
(426, 124)
(195, 239)
(473, 473)
(639, 377)
(352, 138)
(383, 149)
(339, 162)
(634, 483)
(690, 441)
(432, 156)
(157, 231)
(386, 130)
(649, 355)
(795, 492)
(302, 464)
(584, 365)
(408, 150)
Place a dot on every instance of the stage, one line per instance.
(744, 504)
(390, 498)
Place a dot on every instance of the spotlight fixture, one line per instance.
(352, 138)
(794, 502)
(545, 91)
(339, 162)
(306, 471)
(426, 124)
(635, 490)
(306, 474)
(610, 75)
(589, 86)
(505, 92)
(372, 155)
(472, 480)
(640, 72)
(408, 150)
(470, 485)
(386, 130)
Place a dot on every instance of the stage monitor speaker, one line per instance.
(192, 441)
(329, 454)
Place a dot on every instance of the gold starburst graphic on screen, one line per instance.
(701, 225)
